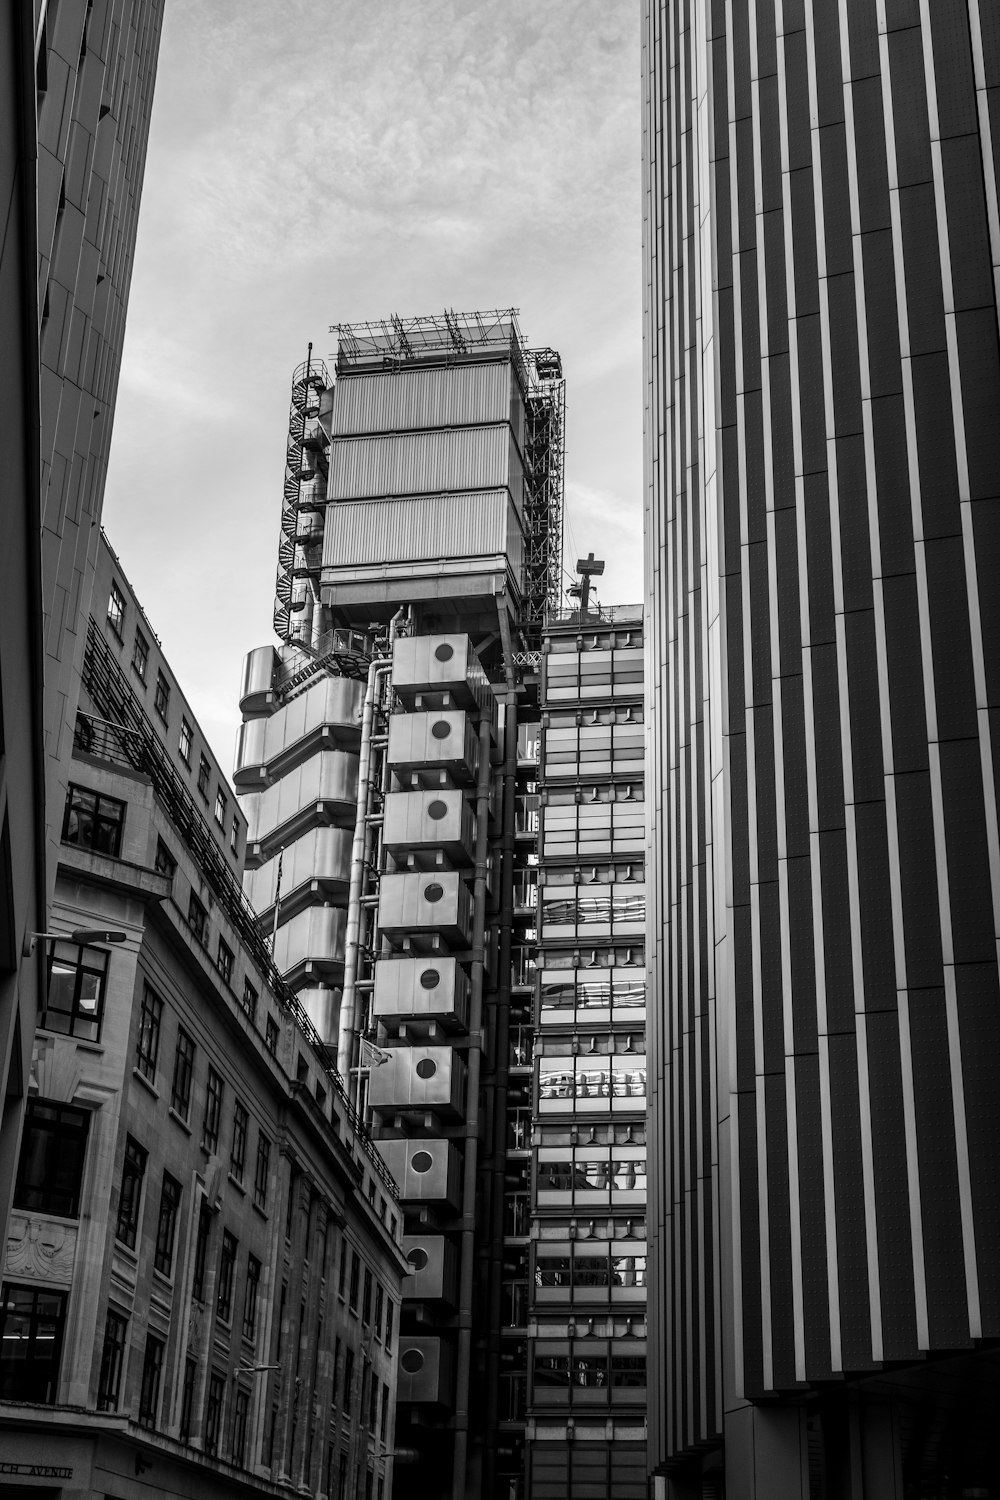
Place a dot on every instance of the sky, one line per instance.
(312, 164)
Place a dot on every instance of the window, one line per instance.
(234, 835)
(50, 1168)
(149, 1391)
(204, 776)
(250, 1298)
(116, 611)
(352, 1300)
(373, 1401)
(166, 1228)
(198, 920)
(112, 1360)
(261, 1171)
(130, 1197)
(147, 1044)
(187, 1399)
(164, 863)
(201, 1252)
(161, 698)
(389, 1305)
(93, 822)
(241, 1407)
(213, 1411)
(220, 808)
(383, 1429)
(213, 1111)
(238, 1155)
(349, 1380)
(185, 741)
(366, 1299)
(379, 1303)
(227, 1272)
(271, 1036)
(31, 1335)
(249, 1001)
(224, 962)
(75, 982)
(180, 1089)
(140, 656)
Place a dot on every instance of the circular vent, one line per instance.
(430, 979)
(433, 892)
(440, 729)
(421, 1161)
(426, 1068)
(444, 652)
(416, 1258)
(437, 809)
(412, 1360)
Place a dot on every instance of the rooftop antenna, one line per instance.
(587, 567)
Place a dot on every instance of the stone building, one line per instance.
(202, 1277)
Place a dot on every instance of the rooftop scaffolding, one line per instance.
(393, 341)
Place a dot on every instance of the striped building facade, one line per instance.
(823, 469)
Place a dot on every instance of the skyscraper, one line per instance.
(76, 84)
(823, 466)
(382, 784)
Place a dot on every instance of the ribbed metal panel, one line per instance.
(417, 463)
(405, 399)
(407, 531)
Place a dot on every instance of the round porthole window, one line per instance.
(426, 1068)
(412, 1360)
(421, 1161)
(430, 979)
(437, 809)
(433, 892)
(417, 1258)
(440, 729)
(444, 652)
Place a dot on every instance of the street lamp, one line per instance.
(82, 935)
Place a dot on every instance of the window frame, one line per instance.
(166, 1225)
(79, 1016)
(248, 1003)
(16, 1381)
(164, 862)
(161, 695)
(227, 1276)
(241, 1137)
(185, 741)
(130, 1201)
(204, 776)
(221, 807)
(147, 1041)
(251, 1291)
(197, 919)
(113, 1351)
(117, 608)
(262, 1171)
(211, 1124)
(224, 960)
(183, 1075)
(140, 655)
(215, 1401)
(152, 1378)
(107, 815)
(40, 1196)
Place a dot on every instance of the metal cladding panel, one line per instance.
(315, 936)
(425, 1372)
(430, 527)
(333, 705)
(440, 819)
(440, 664)
(425, 902)
(420, 463)
(443, 739)
(418, 1078)
(433, 989)
(425, 1171)
(256, 687)
(322, 854)
(400, 400)
(331, 776)
(433, 1268)
(322, 1005)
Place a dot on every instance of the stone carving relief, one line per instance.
(38, 1248)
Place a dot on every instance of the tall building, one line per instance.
(76, 84)
(382, 784)
(823, 463)
(582, 1345)
(201, 1281)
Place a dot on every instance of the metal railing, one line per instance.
(596, 614)
(131, 739)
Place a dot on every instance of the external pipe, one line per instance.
(347, 1027)
(473, 1124)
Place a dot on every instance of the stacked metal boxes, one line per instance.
(425, 979)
